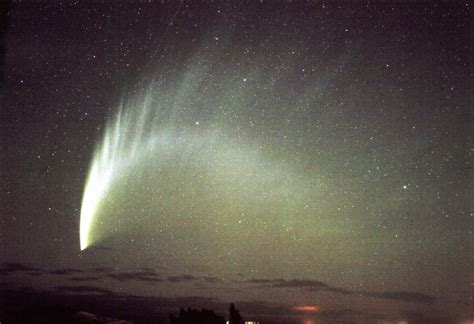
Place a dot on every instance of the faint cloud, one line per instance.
(145, 276)
(182, 278)
(315, 285)
(90, 278)
(13, 267)
(294, 283)
(83, 289)
(403, 296)
(211, 279)
(65, 271)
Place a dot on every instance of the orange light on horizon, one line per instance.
(307, 308)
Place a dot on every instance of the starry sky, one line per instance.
(276, 154)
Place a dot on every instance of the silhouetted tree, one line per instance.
(234, 315)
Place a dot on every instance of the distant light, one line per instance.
(307, 308)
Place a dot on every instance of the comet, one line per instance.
(175, 147)
(143, 135)
(126, 138)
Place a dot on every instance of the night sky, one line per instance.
(275, 154)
